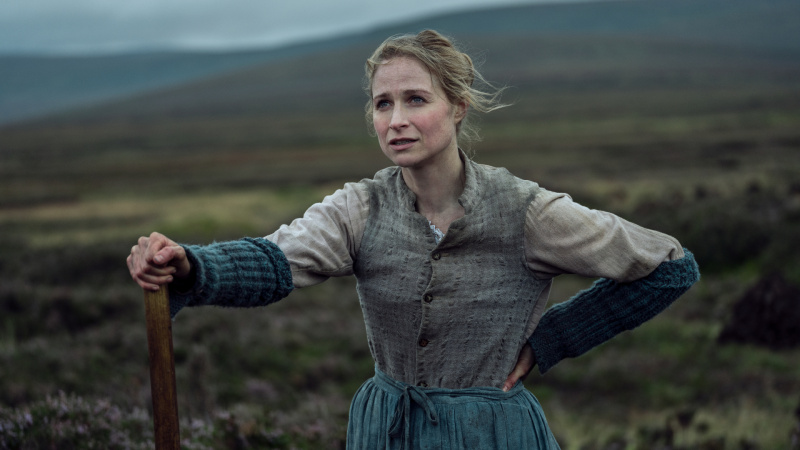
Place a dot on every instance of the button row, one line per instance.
(428, 298)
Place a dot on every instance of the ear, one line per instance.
(461, 110)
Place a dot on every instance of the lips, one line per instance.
(402, 141)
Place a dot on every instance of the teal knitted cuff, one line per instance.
(608, 308)
(245, 273)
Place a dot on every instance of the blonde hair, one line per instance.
(452, 68)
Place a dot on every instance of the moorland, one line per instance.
(696, 135)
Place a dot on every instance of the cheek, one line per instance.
(379, 123)
(437, 123)
(427, 121)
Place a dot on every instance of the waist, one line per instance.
(440, 395)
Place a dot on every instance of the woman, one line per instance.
(454, 262)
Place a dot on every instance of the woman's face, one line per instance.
(414, 121)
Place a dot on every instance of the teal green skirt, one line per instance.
(389, 414)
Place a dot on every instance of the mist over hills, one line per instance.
(511, 37)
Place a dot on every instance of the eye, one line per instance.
(381, 104)
(416, 100)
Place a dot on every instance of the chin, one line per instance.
(401, 159)
(405, 160)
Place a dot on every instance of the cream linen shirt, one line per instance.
(561, 237)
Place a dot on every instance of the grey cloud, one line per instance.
(87, 26)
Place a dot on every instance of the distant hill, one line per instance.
(33, 87)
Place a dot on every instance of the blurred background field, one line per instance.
(682, 116)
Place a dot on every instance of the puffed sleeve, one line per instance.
(324, 242)
(641, 273)
(258, 271)
(562, 237)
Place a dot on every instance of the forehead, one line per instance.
(402, 74)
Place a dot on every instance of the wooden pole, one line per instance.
(162, 369)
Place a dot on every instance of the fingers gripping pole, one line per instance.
(162, 369)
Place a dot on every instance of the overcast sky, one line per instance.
(103, 26)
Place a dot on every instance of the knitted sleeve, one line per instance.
(608, 308)
(244, 273)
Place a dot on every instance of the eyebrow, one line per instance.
(407, 92)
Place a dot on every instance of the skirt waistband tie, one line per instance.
(427, 398)
(401, 421)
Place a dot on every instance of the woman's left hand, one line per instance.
(525, 363)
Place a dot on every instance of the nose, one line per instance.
(399, 118)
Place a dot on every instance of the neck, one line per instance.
(437, 188)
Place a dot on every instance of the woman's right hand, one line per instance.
(157, 260)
